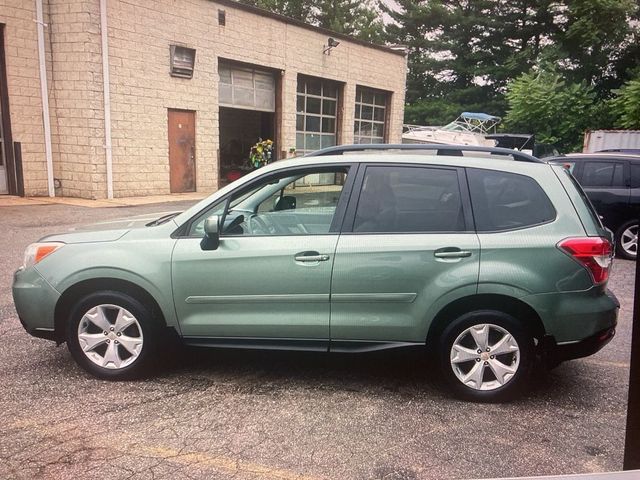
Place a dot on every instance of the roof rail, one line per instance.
(450, 150)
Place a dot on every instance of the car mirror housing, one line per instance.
(211, 239)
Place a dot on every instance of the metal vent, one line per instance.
(182, 61)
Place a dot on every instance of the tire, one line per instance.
(490, 378)
(96, 331)
(627, 240)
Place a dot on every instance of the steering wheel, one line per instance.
(258, 226)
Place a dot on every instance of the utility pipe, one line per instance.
(45, 98)
(104, 35)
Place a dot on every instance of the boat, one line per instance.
(469, 128)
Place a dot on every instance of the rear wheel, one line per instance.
(486, 356)
(112, 335)
(627, 240)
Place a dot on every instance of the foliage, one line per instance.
(626, 105)
(350, 17)
(261, 153)
(557, 111)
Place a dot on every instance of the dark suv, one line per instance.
(612, 183)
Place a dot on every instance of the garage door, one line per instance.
(246, 88)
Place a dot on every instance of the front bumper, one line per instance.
(35, 302)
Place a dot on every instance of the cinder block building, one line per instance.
(115, 98)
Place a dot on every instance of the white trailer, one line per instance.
(599, 140)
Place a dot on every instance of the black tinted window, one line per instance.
(504, 201)
(635, 175)
(602, 174)
(409, 199)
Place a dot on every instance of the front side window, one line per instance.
(409, 199)
(507, 201)
(287, 204)
(317, 114)
(370, 116)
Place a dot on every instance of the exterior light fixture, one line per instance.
(331, 44)
(182, 61)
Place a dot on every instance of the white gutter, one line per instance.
(104, 34)
(45, 98)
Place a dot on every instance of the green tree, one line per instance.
(554, 110)
(625, 105)
(298, 9)
(360, 19)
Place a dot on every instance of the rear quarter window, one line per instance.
(507, 201)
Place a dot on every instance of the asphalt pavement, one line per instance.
(278, 415)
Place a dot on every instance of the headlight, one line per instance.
(37, 251)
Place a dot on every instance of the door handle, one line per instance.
(449, 253)
(311, 257)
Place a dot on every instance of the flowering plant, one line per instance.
(261, 153)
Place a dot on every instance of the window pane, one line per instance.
(313, 124)
(598, 174)
(330, 90)
(367, 96)
(299, 123)
(507, 201)
(225, 74)
(243, 79)
(378, 130)
(329, 125)
(243, 96)
(367, 113)
(314, 87)
(356, 128)
(312, 141)
(381, 99)
(378, 114)
(300, 104)
(225, 94)
(301, 84)
(409, 199)
(328, 141)
(299, 141)
(313, 105)
(328, 107)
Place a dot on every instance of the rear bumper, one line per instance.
(562, 351)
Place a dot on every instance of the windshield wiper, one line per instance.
(163, 219)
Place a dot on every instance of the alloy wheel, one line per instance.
(629, 240)
(110, 336)
(485, 357)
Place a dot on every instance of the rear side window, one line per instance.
(602, 174)
(507, 201)
(409, 199)
(635, 175)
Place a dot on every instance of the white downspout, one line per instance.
(104, 34)
(45, 98)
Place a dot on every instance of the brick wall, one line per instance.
(23, 83)
(142, 90)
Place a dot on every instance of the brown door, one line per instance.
(182, 151)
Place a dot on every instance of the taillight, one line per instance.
(595, 253)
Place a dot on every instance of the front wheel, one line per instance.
(111, 335)
(627, 240)
(486, 356)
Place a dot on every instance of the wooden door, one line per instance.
(182, 151)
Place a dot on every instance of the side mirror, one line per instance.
(211, 239)
(288, 202)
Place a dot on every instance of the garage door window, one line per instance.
(370, 116)
(317, 114)
(247, 89)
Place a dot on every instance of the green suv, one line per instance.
(491, 259)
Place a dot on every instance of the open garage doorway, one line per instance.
(247, 114)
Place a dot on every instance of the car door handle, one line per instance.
(311, 257)
(449, 253)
